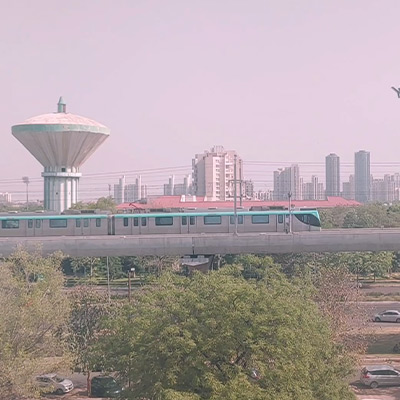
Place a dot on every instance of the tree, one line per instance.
(79, 264)
(103, 203)
(367, 263)
(88, 309)
(219, 336)
(337, 295)
(253, 266)
(333, 218)
(33, 310)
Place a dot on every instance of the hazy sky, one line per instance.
(279, 81)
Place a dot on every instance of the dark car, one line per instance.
(105, 386)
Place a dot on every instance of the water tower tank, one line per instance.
(61, 142)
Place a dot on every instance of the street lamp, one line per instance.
(25, 179)
(132, 270)
(235, 195)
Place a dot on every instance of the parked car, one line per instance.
(105, 386)
(387, 316)
(55, 383)
(380, 375)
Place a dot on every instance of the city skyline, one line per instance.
(276, 81)
(157, 182)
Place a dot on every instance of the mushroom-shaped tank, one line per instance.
(61, 142)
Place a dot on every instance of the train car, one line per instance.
(214, 222)
(53, 225)
(13, 225)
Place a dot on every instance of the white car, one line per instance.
(56, 383)
(387, 316)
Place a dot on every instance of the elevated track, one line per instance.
(340, 240)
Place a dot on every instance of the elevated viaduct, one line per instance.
(340, 240)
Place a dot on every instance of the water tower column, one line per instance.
(60, 188)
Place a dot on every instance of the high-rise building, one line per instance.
(362, 176)
(136, 191)
(248, 189)
(313, 190)
(287, 180)
(213, 174)
(332, 175)
(348, 189)
(5, 198)
(119, 191)
(383, 190)
(178, 189)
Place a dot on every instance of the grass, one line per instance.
(123, 282)
(382, 343)
(378, 296)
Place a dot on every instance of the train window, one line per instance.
(86, 223)
(78, 223)
(98, 222)
(163, 221)
(30, 223)
(38, 223)
(212, 220)
(239, 219)
(10, 224)
(280, 219)
(144, 221)
(126, 222)
(260, 219)
(192, 220)
(58, 223)
(309, 219)
(184, 220)
(135, 221)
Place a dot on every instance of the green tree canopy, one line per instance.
(88, 309)
(103, 203)
(219, 336)
(33, 311)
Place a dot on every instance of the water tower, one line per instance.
(61, 142)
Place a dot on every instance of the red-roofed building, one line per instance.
(196, 202)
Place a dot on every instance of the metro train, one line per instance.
(40, 225)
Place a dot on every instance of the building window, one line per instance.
(126, 222)
(212, 220)
(184, 220)
(30, 223)
(10, 224)
(260, 219)
(77, 223)
(58, 223)
(98, 222)
(136, 221)
(164, 221)
(86, 223)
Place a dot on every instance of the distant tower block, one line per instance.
(61, 142)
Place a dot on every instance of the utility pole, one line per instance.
(241, 181)
(129, 283)
(109, 190)
(235, 194)
(290, 211)
(25, 179)
(108, 281)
